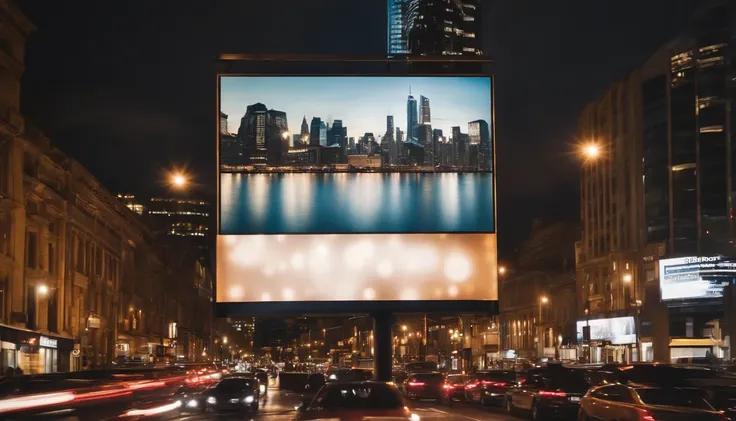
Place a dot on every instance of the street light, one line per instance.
(501, 270)
(285, 135)
(43, 289)
(627, 277)
(178, 180)
(224, 340)
(404, 328)
(590, 151)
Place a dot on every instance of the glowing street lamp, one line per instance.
(627, 277)
(178, 179)
(43, 289)
(404, 328)
(501, 270)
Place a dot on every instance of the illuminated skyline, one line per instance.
(362, 103)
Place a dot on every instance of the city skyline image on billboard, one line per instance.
(356, 154)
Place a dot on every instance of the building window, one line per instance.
(52, 259)
(98, 261)
(5, 234)
(80, 255)
(32, 249)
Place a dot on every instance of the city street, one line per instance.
(281, 406)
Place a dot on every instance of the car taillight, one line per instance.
(413, 384)
(470, 385)
(497, 384)
(551, 394)
(447, 386)
(646, 415)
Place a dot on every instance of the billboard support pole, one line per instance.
(383, 347)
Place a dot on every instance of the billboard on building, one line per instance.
(692, 278)
(355, 189)
(617, 330)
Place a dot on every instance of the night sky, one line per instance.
(127, 88)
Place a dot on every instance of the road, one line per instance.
(281, 406)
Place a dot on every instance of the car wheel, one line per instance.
(509, 406)
(484, 400)
(536, 413)
(582, 416)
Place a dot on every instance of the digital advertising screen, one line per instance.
(356, 188)
(617, 330)
(692, 278)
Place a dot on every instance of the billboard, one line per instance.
(690, 278)
(617, 330)
(355, 188)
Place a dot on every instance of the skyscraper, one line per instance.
(396, 35)
(460, 147)
(322, 133)
(304, 135)
(389, 144)
(314, 132)
(425, 139)
(223, 123)
(261, 135)
(336, 135)
(480, 135)
(411, 118)
(434, 27)
(424, 110)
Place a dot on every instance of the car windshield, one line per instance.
(357, 397)
(505, 376)
(233, 385)
(456, 379)
(427, 377)
(672, 397)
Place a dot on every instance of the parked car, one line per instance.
(638, 403)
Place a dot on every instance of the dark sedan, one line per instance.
(229, 394)
(489, 387)
(425, 386)
(455, 387)
(552, 394)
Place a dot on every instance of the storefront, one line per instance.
(32, 352)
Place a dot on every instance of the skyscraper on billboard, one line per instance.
(434, 27)
(304, 135)
(424, 110)
(314, 132)
(479, 134)
(261, 135)
(411, 118)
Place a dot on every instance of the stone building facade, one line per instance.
(74, 261)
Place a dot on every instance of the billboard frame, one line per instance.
(274, 308)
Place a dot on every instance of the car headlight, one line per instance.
(193, 403)
(248, 399)
(262, 388)
(333, 377)
(211, 400)
(414, 417)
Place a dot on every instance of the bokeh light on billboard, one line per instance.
(355, 189)
(265, 268)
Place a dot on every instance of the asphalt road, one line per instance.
(281, 406)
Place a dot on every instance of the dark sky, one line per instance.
(127, 87)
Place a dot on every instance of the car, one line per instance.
(548, 394)
(262, 376)
(489, 387)
(639, 402)
(455, 387)
(356, 400)
(425, 386)
(234, 393)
